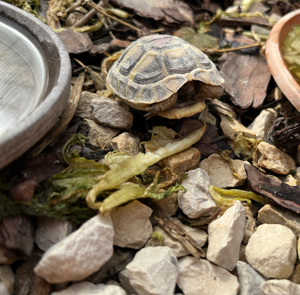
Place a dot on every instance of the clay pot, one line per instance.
(276, 63)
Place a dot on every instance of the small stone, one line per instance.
(3, 289)
(112, 113)
(225, 235)
(274, 215)
(75, 42)
(271, 250)
(198, 235)
(220, 172)
(126, 142)
(153, 271)
(7, 277)
(101, 133)
(250, 225)
(27, 282)
(16, 240)
(84, 108)
(263, 122)
(79, 254)
(198, 276)
(270, 157)
(295, 276)
(196, 201)
(250, 280)
(132, 225)
(88, 288)
(184, 161)
(232, 128)
(50, 231)
(169, 204)
(280, 287)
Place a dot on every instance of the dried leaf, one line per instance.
(167, 11)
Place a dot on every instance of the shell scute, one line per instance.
(154, 67)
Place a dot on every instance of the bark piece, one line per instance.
(247, 79)
(225, 235)
(271, 250)
(273, 215)
(270, 157)
(280, 287)
(175, 230)
(220, 172)
(196, 201)
(167, 11)
(131, 225)
(274, 189)
(79, 254)
(75, 42)
(202, 277)
(153, 271)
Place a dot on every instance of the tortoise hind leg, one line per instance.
(161, 106)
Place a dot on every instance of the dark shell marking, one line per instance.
(154, 67)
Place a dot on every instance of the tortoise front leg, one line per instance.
(161, 106)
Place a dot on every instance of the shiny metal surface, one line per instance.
(23, 74)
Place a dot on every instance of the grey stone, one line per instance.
(225, 235)
(250, 280)
(196, 201)
(153, 271)
(50, 231)
(271, 250)
(202, 277)
(7, 277)
(274, 215)
(88, 288)
(280, 287)
(3, 289)
(79, 254)
(98, 133)
(131, 225)
(112, 113)
(125, 282)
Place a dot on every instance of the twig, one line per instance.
(89, 15)
(101, 10)
(64, 120)
(175, 230)
(212, 51)
(73, 7)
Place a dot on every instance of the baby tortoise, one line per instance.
(165, 76)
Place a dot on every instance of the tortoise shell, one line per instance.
(154, 67)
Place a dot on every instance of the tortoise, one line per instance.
(165, 75)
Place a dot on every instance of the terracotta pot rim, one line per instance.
(277, 66)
